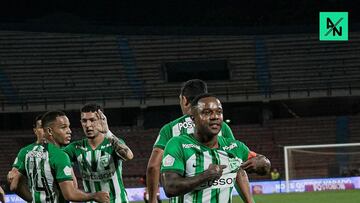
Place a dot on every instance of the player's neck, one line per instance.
(205, 140)
(94, 143)
(52, 141)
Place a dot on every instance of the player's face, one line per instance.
(90, 123)
(208, 117)
(60, 130)
(39, 131)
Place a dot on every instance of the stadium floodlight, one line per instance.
(309, 161)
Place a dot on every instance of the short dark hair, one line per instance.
(195, 101)
(191, 88)
(91, 107)
(50, 117)
(36, 119)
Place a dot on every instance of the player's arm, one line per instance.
(154, 164)
(13, 178)
(74, 179)
(153, 174)
(174, 184)
(18, 181)
(242, 181)
(2, 195)
(258, 164)
(121, 149)
(71, 193)
(19, 185)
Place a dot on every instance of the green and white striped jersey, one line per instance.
(188, 157)
(101, 169)
(20, 158)
(45, 165)
(181, 126)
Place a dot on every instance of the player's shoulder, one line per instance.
(229, 142)
(180, 139)
(171, 124)
(27, 147)
(53, 149)
(179, 120)
(76, 144)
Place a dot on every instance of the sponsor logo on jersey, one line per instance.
(168, 160)
(188, 146)
(67, 171)
(98, 176)
(186, 125)
(224, 181)
(230, 147)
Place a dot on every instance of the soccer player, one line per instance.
(100, 155)
(13, 175)
(202, 167)
(184, 125)
(48, 168)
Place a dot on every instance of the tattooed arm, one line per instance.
(119, 146)
(242, 181)
(123, 151)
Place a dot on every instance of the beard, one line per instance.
(206, 134)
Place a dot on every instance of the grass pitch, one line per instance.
(341, 196)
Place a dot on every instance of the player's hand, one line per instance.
(102, 124)
(102, 197)
(12, 174)
(259, 164)
(214, 171)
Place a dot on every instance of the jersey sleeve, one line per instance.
(173, 158)
(70, 151)
(62, 166)
(243, 151)
(21, 167)
(20, 158)
(163, 137)
(227, 132)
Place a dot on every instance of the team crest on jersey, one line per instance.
(234, 163)
(104, 161)
(168, 160)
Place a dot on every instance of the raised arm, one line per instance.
(174, 184)
(153, 174)
(121, 149)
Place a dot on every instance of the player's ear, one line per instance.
(48, 130)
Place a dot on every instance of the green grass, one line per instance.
(341, 196)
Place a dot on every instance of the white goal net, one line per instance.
(321, 161)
